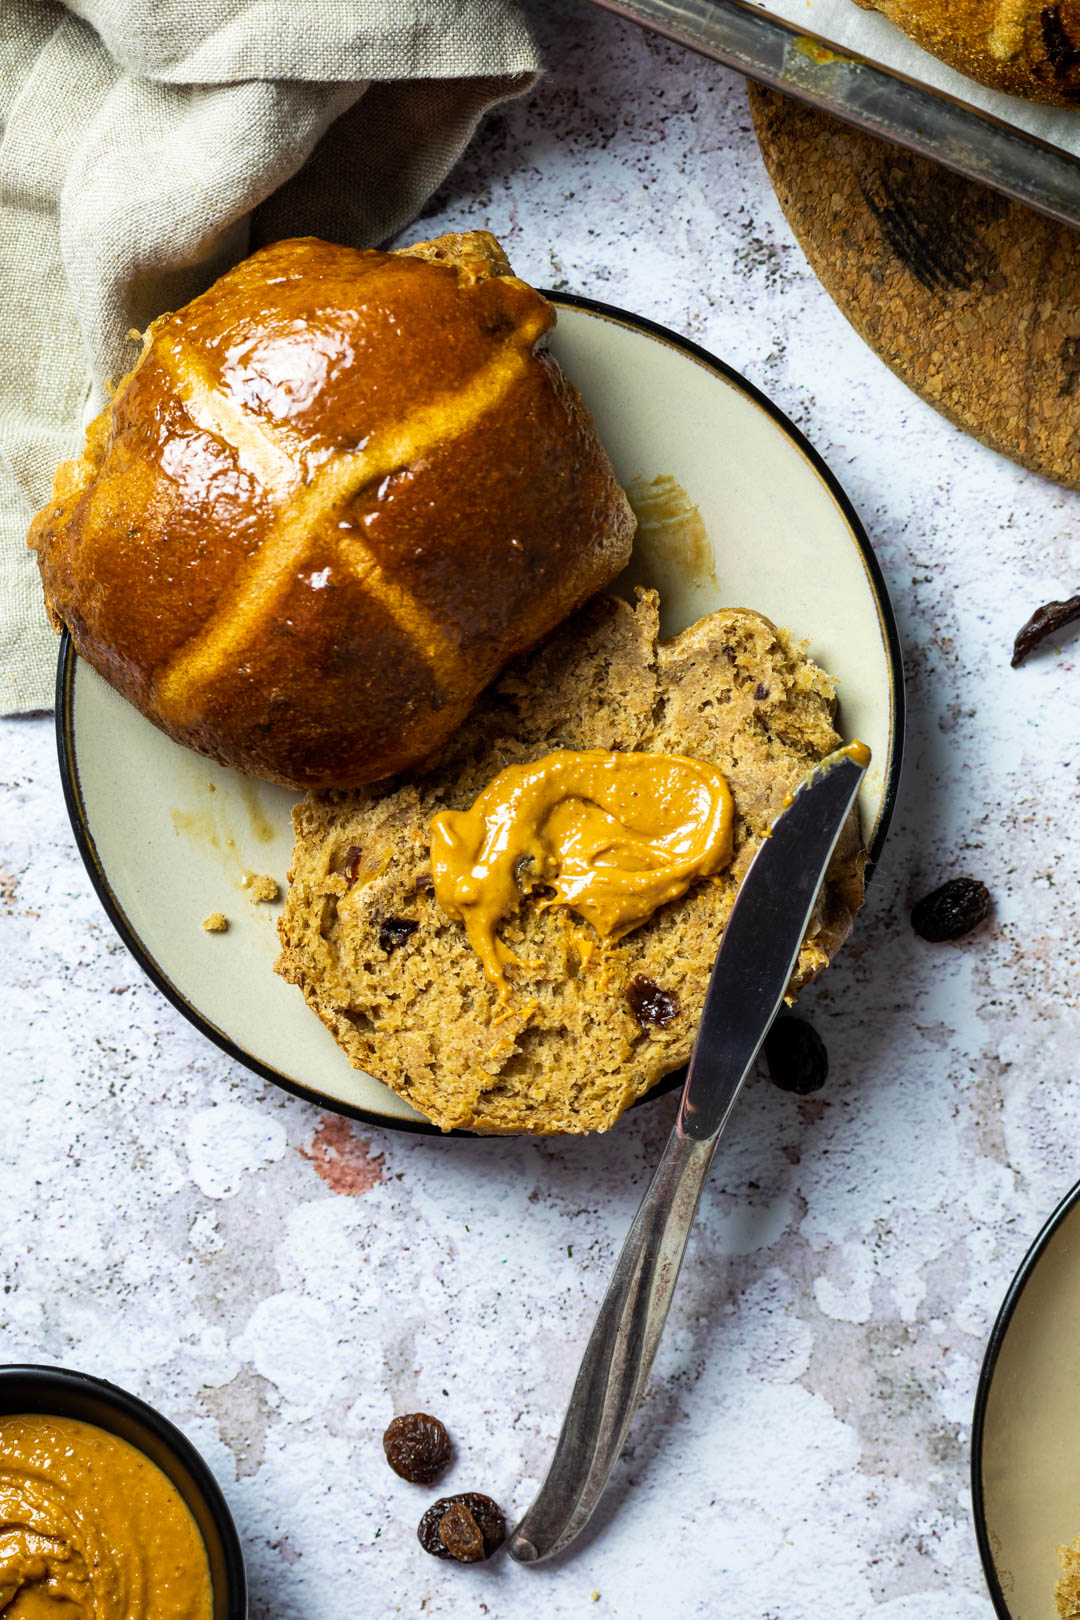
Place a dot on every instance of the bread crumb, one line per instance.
(216, 923)
(1067, 1590)
(263, 888)
(594, 1597)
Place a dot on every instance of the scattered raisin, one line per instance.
(649, 1004)
(460, 1534)
(1061, 53)
(486, 1518)
(417, 1447)
(1043, 622)
(796, 1056)
(952, 910)
(396, 931)
(761, 692)
(353, 856)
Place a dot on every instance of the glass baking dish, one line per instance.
(1027, 151)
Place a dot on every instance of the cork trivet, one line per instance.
(973, 300)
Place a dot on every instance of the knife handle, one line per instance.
(619, 1353)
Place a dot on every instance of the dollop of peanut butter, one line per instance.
(610, 836)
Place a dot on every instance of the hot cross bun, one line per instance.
(336, 494)
(1022, 46)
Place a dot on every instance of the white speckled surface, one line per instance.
(279, 1282)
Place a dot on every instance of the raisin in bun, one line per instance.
(336, 494)
(1024, 47)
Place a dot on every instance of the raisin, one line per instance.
(486, 1518)
(952, 910)
(649, 1004)
(1059, 48)
(353, 856)
(761, 692)
(460, 1534)
(1043, 622)
(417, 1447)
(796, 1056)
(396, 931)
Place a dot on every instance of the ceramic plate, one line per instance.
(1025, 1448)
(168, 837)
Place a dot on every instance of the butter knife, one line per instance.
(753, 967)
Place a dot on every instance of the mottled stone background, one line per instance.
(279, 1282)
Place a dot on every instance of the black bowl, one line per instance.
(55, 1392)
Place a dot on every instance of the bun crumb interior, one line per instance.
(397, 982)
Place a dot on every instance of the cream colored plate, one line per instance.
(168, 836)
(1026, 1433)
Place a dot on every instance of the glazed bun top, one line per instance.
(336, 494)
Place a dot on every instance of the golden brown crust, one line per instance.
(397, 982)
(334, 496)
(1067, 1589)
(1021, 46)
(475, 253)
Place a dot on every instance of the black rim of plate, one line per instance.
(62, 1381)
(69, 771)
(998, 1333)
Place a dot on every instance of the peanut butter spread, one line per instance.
(91, 1529)
(856, 751)
(611, 836)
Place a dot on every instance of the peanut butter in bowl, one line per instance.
(91, 1529)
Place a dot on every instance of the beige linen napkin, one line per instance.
(146, 145)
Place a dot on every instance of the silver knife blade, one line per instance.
(752, 969)
(764, 934)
